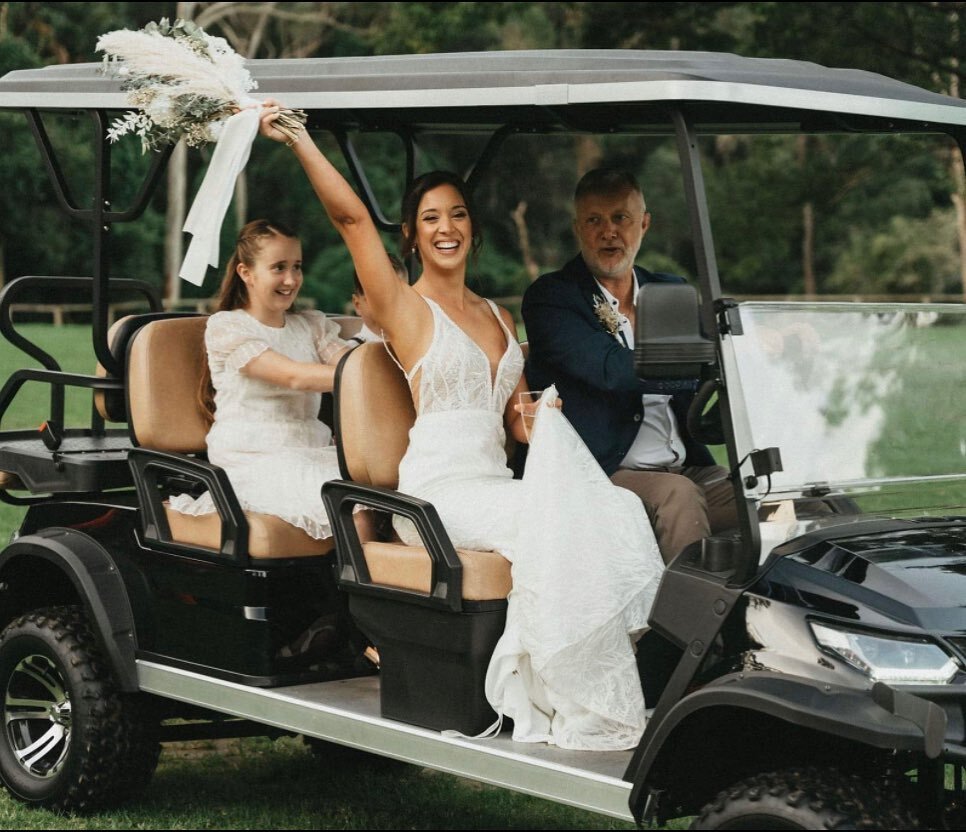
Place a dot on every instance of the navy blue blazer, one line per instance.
(593, 371)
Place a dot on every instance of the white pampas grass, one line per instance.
(184, 82)
(168, 61)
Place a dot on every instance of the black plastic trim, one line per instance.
(446, 584)
(275, 680)
(98, 582)
(150, 466)
(861, 528)
(83, 463)
(882, 718)
(337, 417)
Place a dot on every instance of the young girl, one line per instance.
(269, 367)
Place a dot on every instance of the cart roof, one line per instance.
(576, 89)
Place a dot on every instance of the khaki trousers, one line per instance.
(683, 504)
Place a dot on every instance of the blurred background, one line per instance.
(871, 217)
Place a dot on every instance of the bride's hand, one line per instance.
(270, 110)
(530, 408)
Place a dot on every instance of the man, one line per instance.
(580, 325)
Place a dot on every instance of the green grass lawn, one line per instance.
(71, 346)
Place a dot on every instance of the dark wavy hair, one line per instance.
(421, 186)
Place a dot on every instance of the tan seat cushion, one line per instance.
(9, 480)
(375, 413)
(166, 361)
(268, 536)
(486, 575)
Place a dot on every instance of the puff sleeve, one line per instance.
(325, 336)
(232, 339)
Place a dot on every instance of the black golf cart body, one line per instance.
(738, 679)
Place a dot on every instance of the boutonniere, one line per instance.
(608, 316)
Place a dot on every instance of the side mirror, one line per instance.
(670, 344)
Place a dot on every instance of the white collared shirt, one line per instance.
(658, 442)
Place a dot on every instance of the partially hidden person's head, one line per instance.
(264, 272)
(359, 302)
(610, 221)
(438, 222)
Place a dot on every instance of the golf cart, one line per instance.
(804, 670)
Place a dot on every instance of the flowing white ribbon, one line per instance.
(214, 196)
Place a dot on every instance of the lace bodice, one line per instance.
(456, 372)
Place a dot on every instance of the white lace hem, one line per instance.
(312, 526)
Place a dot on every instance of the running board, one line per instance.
(347, 712)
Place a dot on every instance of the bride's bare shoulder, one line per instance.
(507, 318)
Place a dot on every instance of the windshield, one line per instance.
(863, 397)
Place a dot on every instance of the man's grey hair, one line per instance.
(606, 182)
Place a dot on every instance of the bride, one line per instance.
(585, 565)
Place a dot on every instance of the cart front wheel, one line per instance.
(804, 799)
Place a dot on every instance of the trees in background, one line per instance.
(865, 215)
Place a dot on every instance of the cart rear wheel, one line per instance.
(804, 799)
(66, 740)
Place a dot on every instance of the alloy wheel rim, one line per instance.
(37, 716)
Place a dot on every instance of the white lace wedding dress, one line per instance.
(269, 440)
(585, 563)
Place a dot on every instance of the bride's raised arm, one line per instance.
(402, 314)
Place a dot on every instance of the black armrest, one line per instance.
(446, 584)
(149, 466)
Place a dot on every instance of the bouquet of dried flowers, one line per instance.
(607, 315)
(184, 82)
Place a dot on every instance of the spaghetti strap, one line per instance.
(395, 360)
(415, 368)
(510, 336)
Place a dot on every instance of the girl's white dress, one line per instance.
(269, 439)
(585, 563)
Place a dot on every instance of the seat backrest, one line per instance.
(165, 363)
(112, 404)
(373, 415)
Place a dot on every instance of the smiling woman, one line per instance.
(564, 672)
(268, 368)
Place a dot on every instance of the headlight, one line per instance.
(895, 660)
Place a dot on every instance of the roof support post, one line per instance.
(362, 181)
(101, 228)
(707, 266)
(493, 145)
